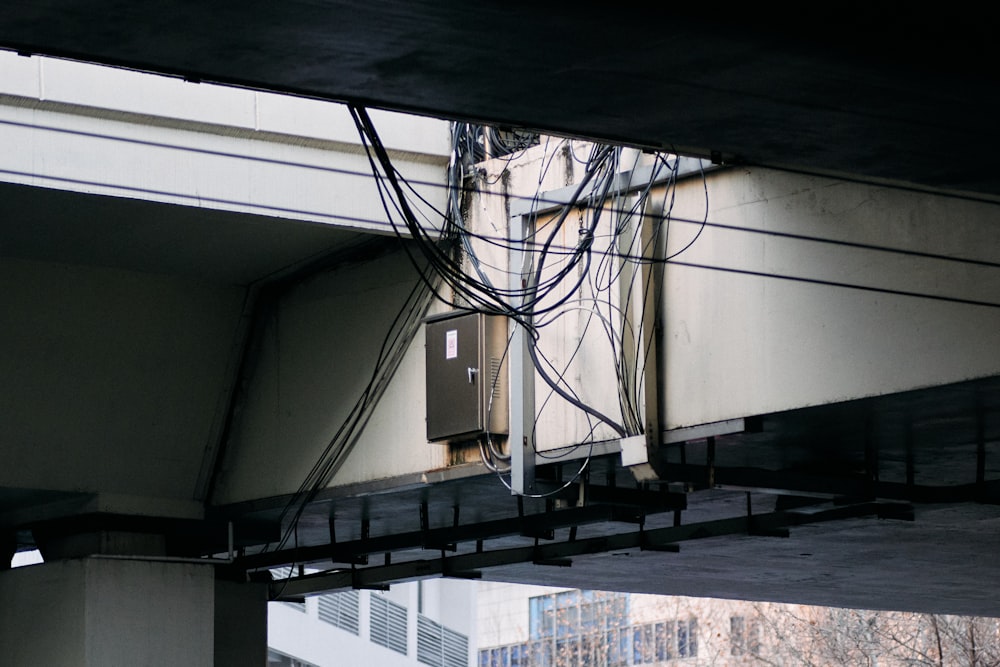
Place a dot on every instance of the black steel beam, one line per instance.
(560, 552)
(436, 538)
(801, 484)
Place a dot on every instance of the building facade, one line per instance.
(537, 626)
(420, 623)
(534, 626)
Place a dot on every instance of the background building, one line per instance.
(420, 623)
(535, 626)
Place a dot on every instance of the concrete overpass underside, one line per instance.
(887, 502)
(864, 91)
(142, 417)
(891, 501)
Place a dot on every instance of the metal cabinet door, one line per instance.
(454, 376)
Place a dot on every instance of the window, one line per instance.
(577, 628)
(504, 656)
(591, 629)
(340, 610)
(440, 646)
(737, 635)
(573, 613)
(542, 654)
(570, 629)
(567, 618)
(275, 659)
(617, 644)
(388, 624)
(664, 633)
(541, 611)
(744, 636)
(644, 644)
(687, 638)
(568, 651)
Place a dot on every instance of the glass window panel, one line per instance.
(736, 635)
(664, 639)
(541, 612)
(567, 599)
(611, 644)
(648, 643)
(568, 621)
(618, 612)
(567, 652)
(519, 656)
(586, 651)
(623, 646)
(548, 617)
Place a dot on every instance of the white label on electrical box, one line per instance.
(451, 344)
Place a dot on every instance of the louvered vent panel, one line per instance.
(388, 624)
(340, 610)
(439, 646)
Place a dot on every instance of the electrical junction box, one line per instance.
(467, 385)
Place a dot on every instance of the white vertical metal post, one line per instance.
(642, 289)
(522, 371)
(652, 327)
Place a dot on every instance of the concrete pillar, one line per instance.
(8, 547)
(240, 624)
(101, 612)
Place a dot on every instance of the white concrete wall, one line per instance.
(99, 130)
(741, 345)
(737, 345)
(302, 635)
(111, 377)
(572, 339)
(318, 355)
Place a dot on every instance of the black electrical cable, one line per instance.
(535, 297)
(434, 184)
(601, 157)
(834, 283)
(399, 336)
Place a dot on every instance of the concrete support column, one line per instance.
(8, 547)
(102, 612)
(240, 624)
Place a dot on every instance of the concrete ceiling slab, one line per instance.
(854, 90)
